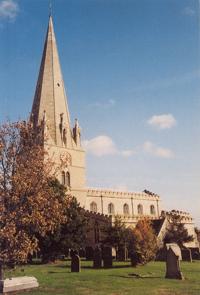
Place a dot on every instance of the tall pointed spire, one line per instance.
(50, 97)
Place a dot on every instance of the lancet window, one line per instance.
(93, 207)
(140, 209)
(152, 210)
(63, 180)
(67, 177)
(126, 209)
(111, 209)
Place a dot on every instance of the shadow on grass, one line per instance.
(91, 267)
(57, 272)
(136, 276)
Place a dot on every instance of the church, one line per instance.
(50, 109)
(50, 105)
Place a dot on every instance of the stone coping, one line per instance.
(110, 193)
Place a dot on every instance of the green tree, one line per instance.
(176, 231)
(71, 234)
(117, 235)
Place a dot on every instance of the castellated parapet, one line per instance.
(131, 206)
(185, 216)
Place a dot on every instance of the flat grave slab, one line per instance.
(14, 285)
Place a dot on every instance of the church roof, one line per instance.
(157, 225)
(50, 100)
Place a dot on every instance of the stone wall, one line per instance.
(102, 199)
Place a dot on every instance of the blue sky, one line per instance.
(131, 69)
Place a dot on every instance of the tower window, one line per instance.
(58, 84)
(152, 210)
(126, 209)
(64, 136)
(111, 209)
(63, 178)
(68, 181)
(140, 209)
(93, 207)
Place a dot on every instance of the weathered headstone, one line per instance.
(114, 253)
(134, 259)
(173, 262)
(175, 248)
(75, 262)
(97, 260)
(107, 257)
(186, 254)
(89, 253)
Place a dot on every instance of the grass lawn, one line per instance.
(56, 279)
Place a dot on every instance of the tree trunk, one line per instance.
(1, 272)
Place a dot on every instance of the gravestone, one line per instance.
(186, 254)
(173, 262)
(175, 248)
(18, 284)
(107, 257)
(75, 262)
(97, 260)
(134, 259)
(114, 253)
(89, 253)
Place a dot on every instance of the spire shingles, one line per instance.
(50, 96)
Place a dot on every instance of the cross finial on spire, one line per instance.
(50, 8)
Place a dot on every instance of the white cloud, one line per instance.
(189, 11)
(103, 145)
(8, 9)
(157, 151)
(100, 146)
(164, 121)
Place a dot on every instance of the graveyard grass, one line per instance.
(120, 280)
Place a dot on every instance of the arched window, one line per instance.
(68, 179)
(93, 207)
(152, 210)
(140, 209)
(63, 178)
(111, 209)
(126, 209)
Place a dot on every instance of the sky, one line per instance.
(132, 73)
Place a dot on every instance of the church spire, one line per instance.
(50, 97)
(50, 8)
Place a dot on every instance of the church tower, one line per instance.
(50, 108)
